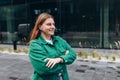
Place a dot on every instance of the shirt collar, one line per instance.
(43, 41)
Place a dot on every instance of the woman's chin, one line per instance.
(51, 34)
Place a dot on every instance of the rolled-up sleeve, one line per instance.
(37, 56)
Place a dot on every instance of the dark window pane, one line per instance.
(18, 2)
(5, 2)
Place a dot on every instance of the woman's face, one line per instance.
(48, 27)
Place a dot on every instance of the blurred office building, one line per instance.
(83, 23)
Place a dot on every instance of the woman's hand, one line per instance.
(53, 61)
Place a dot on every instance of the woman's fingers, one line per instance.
(47, 59)
(50, 62)
(52, 65)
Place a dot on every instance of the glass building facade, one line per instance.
(83, 23)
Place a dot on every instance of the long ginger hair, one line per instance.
(40, 20)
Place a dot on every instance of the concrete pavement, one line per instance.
(18, 67)
(15, 67)
(94, 70)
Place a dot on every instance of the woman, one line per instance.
(49, 54)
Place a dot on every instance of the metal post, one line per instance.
(15, 45)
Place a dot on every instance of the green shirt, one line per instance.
(39, 50)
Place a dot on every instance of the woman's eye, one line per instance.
(49, 24)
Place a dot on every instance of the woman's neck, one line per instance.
(46, 37)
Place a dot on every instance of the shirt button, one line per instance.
(66, 61)
(59, 74)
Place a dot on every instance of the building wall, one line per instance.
(83, 23)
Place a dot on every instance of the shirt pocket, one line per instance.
(52, 54)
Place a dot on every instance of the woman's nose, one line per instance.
(53, 26)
